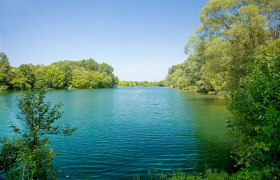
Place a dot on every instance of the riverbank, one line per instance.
(254, 172)
(219, 94)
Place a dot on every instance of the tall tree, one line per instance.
(233, 34)
(5, 69)
(238, 31)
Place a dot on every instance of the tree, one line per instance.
(55, 77)
(19, 81)
(86, 73)
(233, 34)
(80, 78)
(94, 79)
(89, 64)
(215, 69)
(40, 74)
(28, 155)
(27, 71)
(103, 67)
(271, 10)
(4, 71)
(238, 31)
(255, 125)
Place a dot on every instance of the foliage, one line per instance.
(139, 84)
(209, 174)
(233, 34)
(237, 50)
(256, 173)
(55, 77)
(64, 74)
(27, 155)
(19, 81)
(256, 109)
(5, 69)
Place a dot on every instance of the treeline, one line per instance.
(86, 73)
(140, 84)
(233, 34)
(237, 51)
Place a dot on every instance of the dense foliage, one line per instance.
(64, 74)
(210, 174)
(27, 155)
(139, 84)
(232, 35)
(237, 51)
(256, 109)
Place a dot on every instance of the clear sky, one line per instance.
(141, 39)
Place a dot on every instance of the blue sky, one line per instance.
(141, 39)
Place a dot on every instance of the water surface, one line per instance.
(132, 132)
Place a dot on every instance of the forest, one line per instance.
(86, 73)
(82, 74)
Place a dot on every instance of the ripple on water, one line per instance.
(131, 132)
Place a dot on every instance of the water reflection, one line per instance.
(130, 132)
(210, 115)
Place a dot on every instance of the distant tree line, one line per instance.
(139, 83)
(86, 73)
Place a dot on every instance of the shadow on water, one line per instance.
(213, 141)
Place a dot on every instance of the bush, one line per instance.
(255, 125)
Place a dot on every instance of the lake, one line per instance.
(134, 132)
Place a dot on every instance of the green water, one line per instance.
(132, 132)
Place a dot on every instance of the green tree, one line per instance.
(19, 81)
(80, 78)
(55, 77)
(94, 79)
(27, 71)
(5, 69)
(105, 68)
(236, 34)
(106, 80)
(67, 68)
(28, 155)
(215, 69)
(256, 109)
(233, 34)
(89, 64)
(271, 10)
(40, 74)
(86, 73)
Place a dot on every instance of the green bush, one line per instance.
(255, 125)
